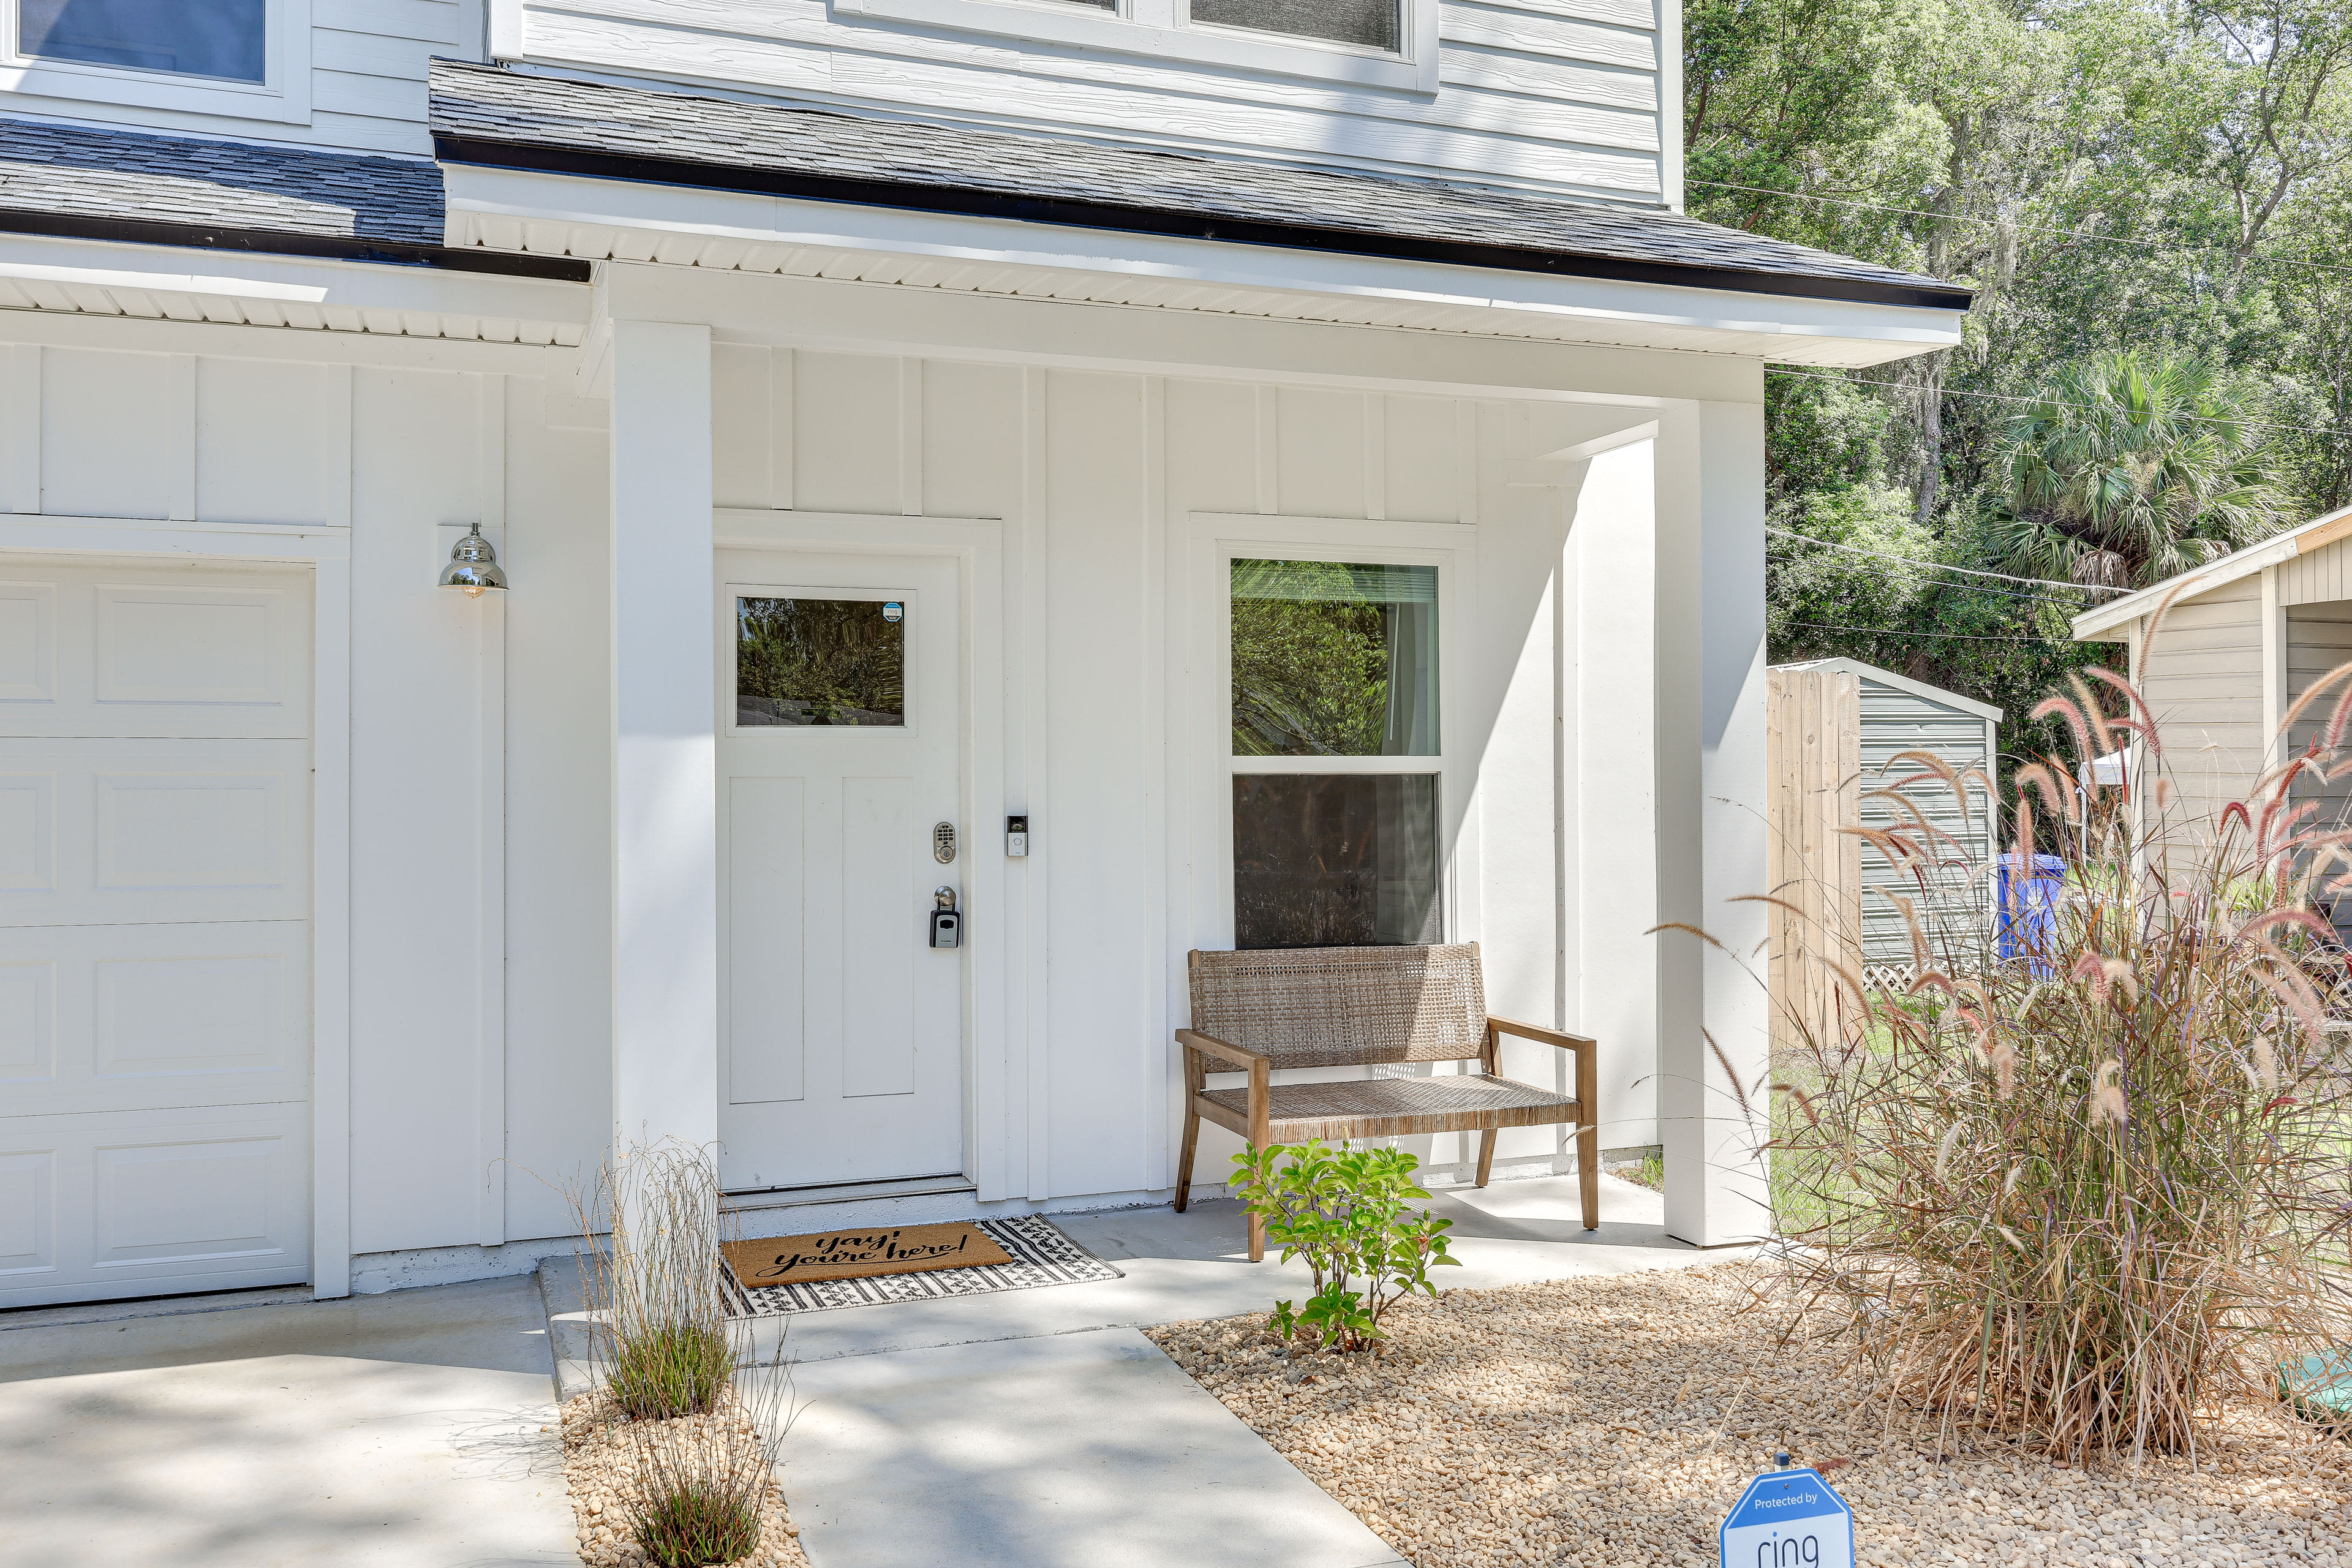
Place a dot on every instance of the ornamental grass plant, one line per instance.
(2086, 1194)
(699, 1416)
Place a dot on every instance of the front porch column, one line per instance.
(1713, 1048)
(665, 747)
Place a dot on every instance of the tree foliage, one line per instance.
(2167, 177)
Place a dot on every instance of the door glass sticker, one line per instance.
(820, 662)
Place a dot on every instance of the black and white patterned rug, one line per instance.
(1041, 1255)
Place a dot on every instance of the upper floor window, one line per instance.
(226, 40)
(1369, 24)
(1388, 44)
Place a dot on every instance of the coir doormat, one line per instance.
(860, 1254)
(1032, 1249)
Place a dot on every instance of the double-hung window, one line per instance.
(1388, 44)
(246, 58)
(1336, 760)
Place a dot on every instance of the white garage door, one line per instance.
(154, 929)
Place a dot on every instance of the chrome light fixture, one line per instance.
(473, 566)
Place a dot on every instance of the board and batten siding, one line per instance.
(1567, 95)
(366, 63)
(2204, 685)
(1957, 906)
(276, 432)
(1099, 475)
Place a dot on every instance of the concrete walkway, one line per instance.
(1038, 1429)
(255, 1430)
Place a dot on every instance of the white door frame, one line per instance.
(996, 926)
(327, 550)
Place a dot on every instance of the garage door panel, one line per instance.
(27, 1213)
(185, 1200)
(112, 651)
(155, 963)
(133, 1017)
(108, 832)
(29, 642)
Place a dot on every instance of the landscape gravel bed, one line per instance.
(598, 1469)
(1611, 1422)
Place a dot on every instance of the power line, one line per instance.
(2025, 229)
(1930, 637)
(1940, 566)
(2012, 397)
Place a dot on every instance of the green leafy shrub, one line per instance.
(1344, 1211)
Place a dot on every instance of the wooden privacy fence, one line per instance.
(1812, 748)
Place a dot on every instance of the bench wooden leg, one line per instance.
(1588, 1173)
(1487, 1153)
(1184, 1160)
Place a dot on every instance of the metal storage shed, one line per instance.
(1867, 720)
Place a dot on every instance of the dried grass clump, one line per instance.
(2088, 1196)
(698, 1419)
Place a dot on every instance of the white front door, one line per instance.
(154, 929)
(840, 743)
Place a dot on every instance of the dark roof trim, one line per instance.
(923, 197)
(277, 242)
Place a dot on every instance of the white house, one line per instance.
(879, 409)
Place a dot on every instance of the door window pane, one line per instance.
(1335, 859)
(820, 661)
(1334, 660)
(219, 39)
(1371, 22)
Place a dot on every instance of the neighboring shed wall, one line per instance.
(2319, 640)
(1957, 910)
(2204, 684)
(2321, 576)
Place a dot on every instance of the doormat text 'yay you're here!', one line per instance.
(860, 1254)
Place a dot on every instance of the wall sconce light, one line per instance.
(473, 566)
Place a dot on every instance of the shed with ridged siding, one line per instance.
(1890, 715)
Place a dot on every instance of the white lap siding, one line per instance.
(2204, 684)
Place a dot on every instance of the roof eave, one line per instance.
(2092, 626)
(921, 196)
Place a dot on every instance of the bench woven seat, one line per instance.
(1387, 1106)
(1259, 1012)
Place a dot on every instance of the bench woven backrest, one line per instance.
(1344, 1007)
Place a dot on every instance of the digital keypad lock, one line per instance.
(947, 921)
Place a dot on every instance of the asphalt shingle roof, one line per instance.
(488, 114)
(126, 175)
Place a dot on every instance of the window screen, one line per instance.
(1374, 24)
(218, 39)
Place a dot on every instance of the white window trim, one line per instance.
(1158, 30)
(283, 94)
(1218, 540)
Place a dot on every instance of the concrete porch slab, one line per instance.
(1073, 1451)
(396, 1431)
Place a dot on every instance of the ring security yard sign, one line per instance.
(1789, 1518)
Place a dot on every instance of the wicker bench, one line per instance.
(1263, 1010)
